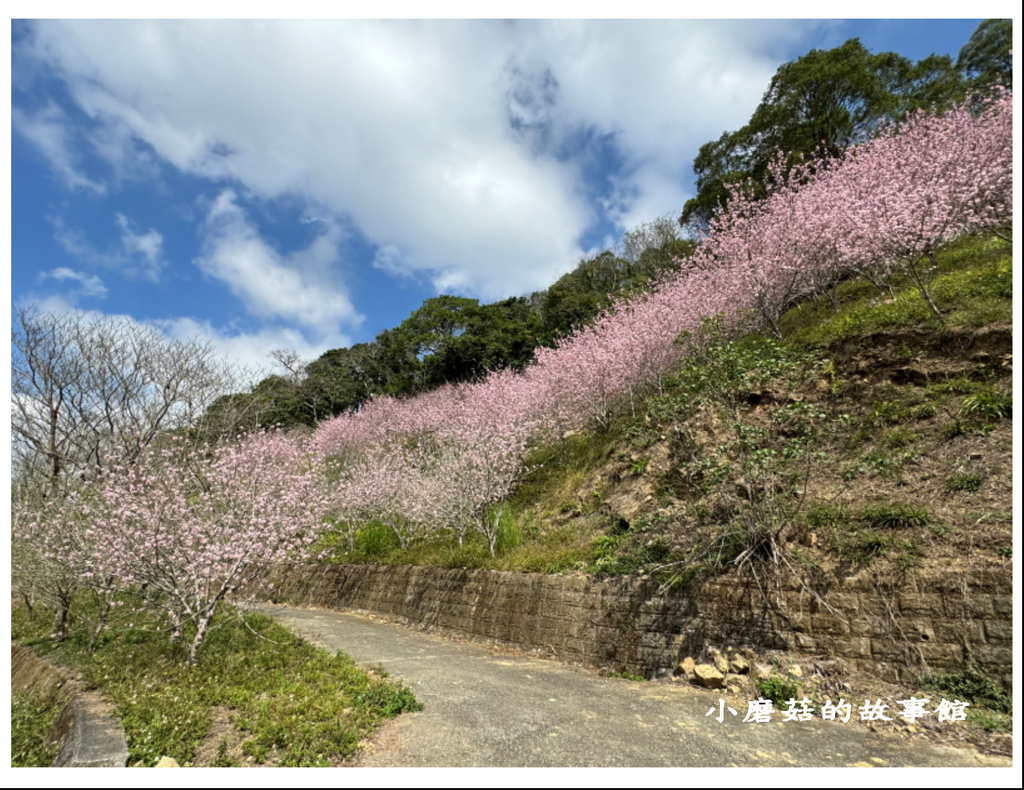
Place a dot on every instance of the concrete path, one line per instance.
(486, 708)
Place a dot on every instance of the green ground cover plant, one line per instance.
(32, 720)
(964, 481)
(778, 689)
(288, 702)
(991, 705)
(973, 288)
(974, 686)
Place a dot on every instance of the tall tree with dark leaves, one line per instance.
(817, 104)
(985, 59)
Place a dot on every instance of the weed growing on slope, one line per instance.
(974, 686)
(778, 689)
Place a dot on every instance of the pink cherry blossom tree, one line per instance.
(921, 184)
(474, 474)
(50, 559)
(185, 527)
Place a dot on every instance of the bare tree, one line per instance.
(85, 388)
(653, 235)
(289, 360)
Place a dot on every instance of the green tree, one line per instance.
(341, 379)
(821, 102)
(578, 296)
(429, 333)
(985, 59)
(437, 321)
(457, 339)
(653, 248)
(392, 364)
(496, 336)
(278, 402)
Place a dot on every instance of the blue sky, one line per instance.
(305, 185)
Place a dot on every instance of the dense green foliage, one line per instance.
(578, 297)
(778, 689)
(974, 686)
(455, 339)
(822, 102)
(290, 703)
(985, 59)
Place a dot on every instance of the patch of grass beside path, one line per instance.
(287, 702)
(32, 718)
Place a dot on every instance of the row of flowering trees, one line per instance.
(451, 454)
(184, 527)
(885, 206)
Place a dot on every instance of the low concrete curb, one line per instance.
(91, 735)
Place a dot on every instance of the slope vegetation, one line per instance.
(875, 434)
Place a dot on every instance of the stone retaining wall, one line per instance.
(894, 628)
(620, 623)
(898, 628)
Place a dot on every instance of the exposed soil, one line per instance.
(898, 442)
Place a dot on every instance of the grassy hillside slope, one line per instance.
(872, 435)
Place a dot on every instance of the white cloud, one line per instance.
(389, 258)
(90, 285)
(139, 254)
(250, 351)
(77, 245)
(445, 140)
(149, 245)
(48, 130)
(51, 303)
(297, 287)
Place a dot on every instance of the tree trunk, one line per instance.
(60, 619)
(924, 283)
(193, 649)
